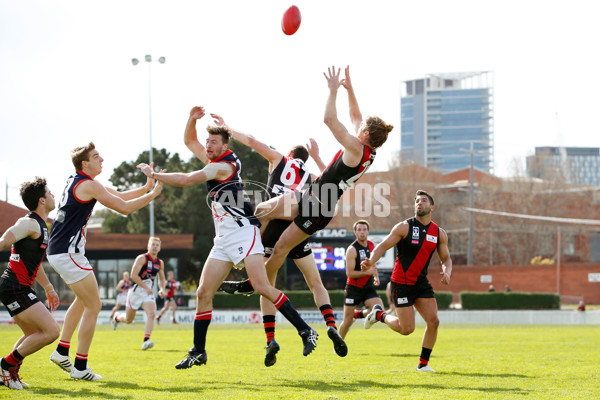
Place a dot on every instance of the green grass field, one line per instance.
(473, 362)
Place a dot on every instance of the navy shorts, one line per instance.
(354, 295)
(16, 298)
(273, 233)
(405, 295)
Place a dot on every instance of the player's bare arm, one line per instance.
(23, 228)
(352, 145)
(51, 295)
(134, 193)
(399, 231)
(444, 255)
(313, 152)
(135, 273)
(351, 262)
(271, 155)
(190, 135)
(355, 114)
(90, 189)
(218, 171)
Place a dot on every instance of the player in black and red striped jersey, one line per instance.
(360, 285)
(415, 239)
(315, 209)
(28, 239)
(171, 286)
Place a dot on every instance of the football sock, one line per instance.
(289, 312)
(81, 361)
(381, 316)
(146, 338)
(269, 325)
(425, 354)
(328, 316)
(12, 360)
(63, 347)
(201, 323)
(358, 314)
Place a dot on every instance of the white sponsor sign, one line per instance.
(485, 279)
(594, 277)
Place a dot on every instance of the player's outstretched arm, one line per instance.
(350, 142)
(133, 193)
(94, 189)
(313, 152)
(271, 155)
(399, 231)
(355, 114)
(218, 171)
(190, 135)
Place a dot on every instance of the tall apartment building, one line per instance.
(442, 114)
(576, 165)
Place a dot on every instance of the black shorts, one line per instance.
(354, 295)
(16, 298)
(314, 212)
(273, 233)
(405, 295)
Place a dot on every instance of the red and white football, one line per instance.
(291, 20)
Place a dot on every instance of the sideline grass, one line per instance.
(473, 362)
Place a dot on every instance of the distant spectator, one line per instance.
(506, 288)
(581, 306)
(491, 288)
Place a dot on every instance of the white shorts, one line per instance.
(122, 297)
(72, 267)
(237, 245)
(138, 296)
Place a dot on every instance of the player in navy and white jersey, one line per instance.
(28, 239)
(415, 239)
(122, 291)
(360, 285)
(237, 236)
(317, 206)
(287, 174)
(144, 271)
(170, 287)
(66, 251)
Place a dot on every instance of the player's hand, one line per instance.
(161, 293)
(146, 169)
(53, 300)
(346, 82)
(376, 281)
(149, 290)
(218, 120)
(313, 148)
(333, 78)
(197, 113)
(445, 278)
(366, 264)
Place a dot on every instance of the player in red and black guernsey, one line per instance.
(237, 237)
(360, 285)
(317, 206)
(415, 239)
(66, 251)
(144, 271)
(171, 286)
(287, 174)
(28, 239)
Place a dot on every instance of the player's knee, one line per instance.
(52, 332)
(151, 315)
(433, 322)
(405, 330)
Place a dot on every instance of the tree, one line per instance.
(178, 209)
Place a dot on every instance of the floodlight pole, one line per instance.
(471, 205)
(148, 60)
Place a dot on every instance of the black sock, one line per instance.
(80, 362)
(269, 325)
(201, 323)
(425, 354)
(63, 348)
(289, 312)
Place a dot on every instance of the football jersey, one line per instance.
(289, 175)
(414, 252)
(362, 253)
(68, 231)
(149, 270)
(26, 255)
(230, 207)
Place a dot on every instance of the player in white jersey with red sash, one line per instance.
(316, 207)
(288, 174)
(237, 237)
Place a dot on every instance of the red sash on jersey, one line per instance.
(414, 270)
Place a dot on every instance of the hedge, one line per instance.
(305, 299)
(509, 301)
